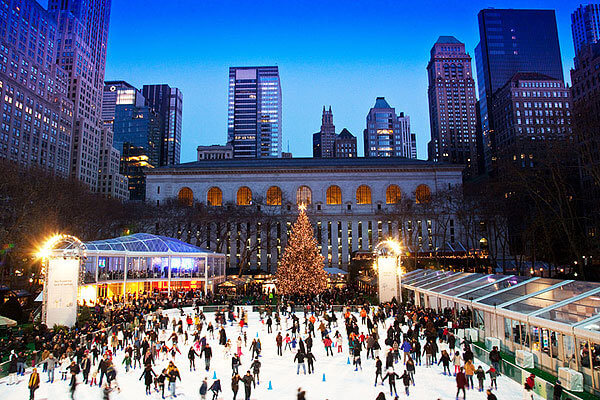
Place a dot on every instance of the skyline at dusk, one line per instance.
(333, 54)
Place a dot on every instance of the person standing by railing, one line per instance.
(34, 383)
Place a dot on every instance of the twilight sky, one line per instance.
(329, 52)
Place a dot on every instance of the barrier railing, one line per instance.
(543, 388)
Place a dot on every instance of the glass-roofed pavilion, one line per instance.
(556, 320)
(143, 262)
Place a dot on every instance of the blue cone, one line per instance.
(348, 360)
(270, 386)
(323, 377)
(256, 334)
(215, 375)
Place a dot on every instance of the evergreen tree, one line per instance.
(300, 270)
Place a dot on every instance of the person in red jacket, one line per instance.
(530, 381)
(461, 382)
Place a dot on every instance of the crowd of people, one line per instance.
(400, 339)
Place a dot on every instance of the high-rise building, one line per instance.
(387, 134)
(452, 104)
(324, 140)
(512, 41)
(111, 182)
(528, 110)
(168, 103)
(586, 129)
(37, 115)
(345, 145)
(82, 34)
(137, 133)
(214, 152)
(254, 112)
(585, 25)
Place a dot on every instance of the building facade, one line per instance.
(528, 110)
(37, 114)
(387, 134)
(586, 128)
(585, 25)
(345, 145)
(512, 41)
(112, 183)
(167, 102)
(81, 40)
(452, 105)
(353, 204)
(254, 112)
(215, 152)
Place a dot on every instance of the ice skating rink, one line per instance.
(333, 379)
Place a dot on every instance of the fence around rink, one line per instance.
(543, 388)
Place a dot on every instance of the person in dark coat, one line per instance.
(310, 359)
(222, 337)
(86, 365)
(406, 378)
(490, 395)
(248, 380)
(235, 384)
(215, 388)
(391, 376)
(207, 350)
(558, 390)
(461, 382)
(380, 396)
(148, 375)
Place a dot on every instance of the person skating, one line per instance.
(410, 368)
(279, 342)
(160, 380)
(391, 376)
(495, 358)
(461, 382)
(86, 365)
(380, 396)
(207, 351)
(235, 384)
(310, 359)
(493, 376)
(456, 360)
(173, 375)
(148, 376)
(74, 370)
(248, 380)
(469, 372)
(50, 363)
(192, 357)
(445, 361)
(204, 389)
(255, 366)
(235, 363)
(406, 379)
(34, 383)
(299, 357)
(378, 366)
(480, 373)
(215, 388)
(490, 395)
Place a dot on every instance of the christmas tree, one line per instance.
(300, 270)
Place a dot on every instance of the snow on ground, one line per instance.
(341, 381)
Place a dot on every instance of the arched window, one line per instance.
(303, 195)
(423, 194)
(334, 195)
(363, 195)
(274, 196)
(244, 196)
(214, 197)
(393, 195)
(186, 196)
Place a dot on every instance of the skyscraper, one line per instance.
(37, 115)
(81, 51)
(452, 104)
(512, 41)
(168, 103)
(585, 25)
(137, 133)
(345, 145)
(387, 134)
(254, 112)
(324, 140)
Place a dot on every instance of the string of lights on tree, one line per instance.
(300, 270)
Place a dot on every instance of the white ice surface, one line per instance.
(342, 382)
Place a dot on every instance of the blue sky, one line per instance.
(338, 53)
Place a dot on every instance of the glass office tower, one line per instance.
(254, 112)
(512, 41)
